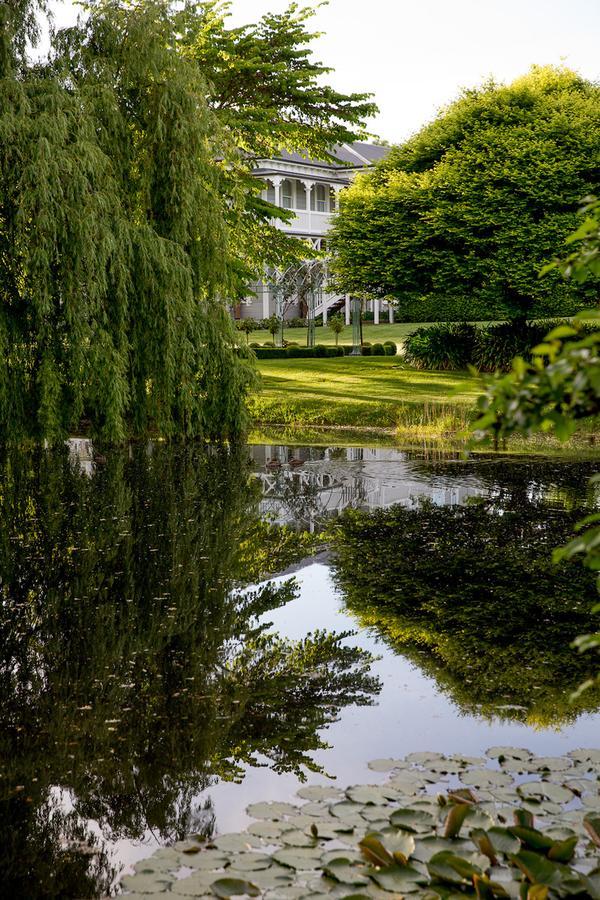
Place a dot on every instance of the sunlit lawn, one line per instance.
(358, 392)
(371, 333)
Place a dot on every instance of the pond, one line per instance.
(178, 641)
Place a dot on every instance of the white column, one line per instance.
(276, 180)
(347, 309)
(324, 309)
(265, 299)
(376, 311)
(309, 186)
(391, 312)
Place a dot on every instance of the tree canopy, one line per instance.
(128, 213)
(457, 222)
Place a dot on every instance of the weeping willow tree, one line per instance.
(114, 242)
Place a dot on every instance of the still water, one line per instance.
(169, 655)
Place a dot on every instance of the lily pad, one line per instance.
(234, 887)
(318, 792)
(366, 794)
(236, 843)
(384, 765)
(298, 858)
(545, 790)
(272, 811)
(155, 883)
(298, 838)
(401, 879)
(486, 778)
(414, 820)
(343, 871)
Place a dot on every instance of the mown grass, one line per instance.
(362, 392)
(374, 334)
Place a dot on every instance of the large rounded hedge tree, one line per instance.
(457, 222)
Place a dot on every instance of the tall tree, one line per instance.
(127, 211)
(457, 222)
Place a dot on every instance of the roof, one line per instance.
(356, 155)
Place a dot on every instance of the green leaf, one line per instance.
(448, 866)
(234, 887)
(413, 820)
(455, 818)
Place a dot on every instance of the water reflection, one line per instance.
(134, 671)
(470, 596)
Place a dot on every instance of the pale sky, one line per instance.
(416, 56)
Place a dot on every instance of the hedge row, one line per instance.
(321, 351)
(456, 345)
(436, 308)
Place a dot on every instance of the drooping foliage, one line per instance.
(136, 665)
(128, 216)
(457, 222)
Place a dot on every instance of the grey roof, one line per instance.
(356, 155)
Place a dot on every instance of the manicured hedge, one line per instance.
(436, 308)
(318, 352)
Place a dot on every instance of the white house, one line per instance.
(311, 189)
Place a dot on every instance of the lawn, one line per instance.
(362, 392)
(371, 333)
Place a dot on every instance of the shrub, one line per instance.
(378, 350)
(320, 350)
(441, 346)
(297, 322)
(368, 316)
(390, 348)
(334, 351)
(254, 345)
(270, 352)
(366, 349)
(292, 344)
(497, 345)
(300, 353)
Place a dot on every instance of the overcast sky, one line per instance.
(416, 55)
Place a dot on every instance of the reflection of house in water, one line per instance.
(302, 485)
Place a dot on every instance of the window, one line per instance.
(287, 194)
(270, 193)
(319, 197)
(300, 195)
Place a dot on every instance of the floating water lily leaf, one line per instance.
(316, 792)
(552, 763)
(404, 879)
(196, 885)
(266, 879)
(538, 790)
(585, 756)
(343, 871)
(423, 759)
(269, 830)
(346, 809)
(366, 794)
(427, 847)
(508, 752)
(236, 843)
(503, 841)
(272, 811)
(208, 859)
(155, 883)
(375, 813)
(448, 866)
(297, 838)
(414, 820)
(298, 858)
(234, 887)
(486, 778)
(384, 765)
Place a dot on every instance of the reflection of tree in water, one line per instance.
(469, 594)
(133, 671)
